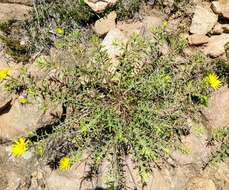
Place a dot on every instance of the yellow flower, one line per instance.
(24, 101)
(65, 164)
(4, 73)
(165, 24)
(214, 81)
(20, 147)
(60, 31)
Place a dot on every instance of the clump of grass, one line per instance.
(49, 17)
(128, 8)
(222, 67)
(17, 51)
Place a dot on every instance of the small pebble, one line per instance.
(151, 2)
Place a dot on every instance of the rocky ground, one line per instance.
(207, 31)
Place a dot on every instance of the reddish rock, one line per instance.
(104, 25)
(21, 119)
(198, 39)
(216, 45)
(72, 179)
(114, 50)
(129, 27)
(100, 5)
(217, 29)
(199, 183)
(24, 2)
(221, 7)
(203, 20)
(217, 112)
(13, 12)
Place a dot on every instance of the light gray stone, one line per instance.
(104, 25)
(24, 2)
(216, 45)
(217, 29)
(21, 119)
(70, 180)
(130, 27)
(217, 112)
(13, 12)
(203, 20)
(111, 44)
(100, 5)
(199, 183)
(198, 39)
(193, 151)
(221, 7)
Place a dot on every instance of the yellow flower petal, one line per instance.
(4, 73)
(214, 81)
(20, 147)
(60, 31)
(65, 164)
(24, 101)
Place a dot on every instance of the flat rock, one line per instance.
(221, 7)
(198, 39)
(225, 28)
(217, 29)
(13, 12)
(130, 27)
(222, 173)
(157, 179)
(217, 112)
(193, 151)
(144, 27)
(114, 37)
(104, 25)
(24, 2)
(70, 180)
(219, 173)
(180, 176)
(20, 119)
(216, 7)
(99, 6)
(161, 179)
(220, 28)
(15, 173)
(133, 180)
(151, 22)
(203, 20)
(199, 183)
(216, 45)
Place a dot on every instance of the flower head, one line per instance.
(4, 73)
(65, 164)
(60, 31)
(214, 81)
(20, 147)
(165, 24)
(24, 101)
